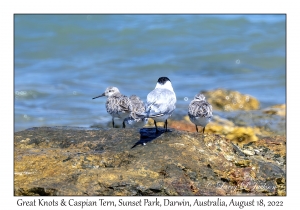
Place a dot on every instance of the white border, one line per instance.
(8, 8)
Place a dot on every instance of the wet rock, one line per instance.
(229, 100)
(74, 161)
(266, 123)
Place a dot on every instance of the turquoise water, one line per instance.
(62, 61)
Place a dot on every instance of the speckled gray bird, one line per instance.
(138, 107)
(200, 111)
(117, 105)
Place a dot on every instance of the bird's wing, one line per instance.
(120, 103)
(200, 109)
(125, 103)
(160, 101)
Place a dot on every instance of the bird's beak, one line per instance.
(103, 94)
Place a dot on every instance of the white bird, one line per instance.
(138, 107)
(161, 102)
(200, 111)
(117, 105)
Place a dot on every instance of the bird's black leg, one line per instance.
(113, 122)
(203, 129)
(155, 126)
(166, 123)
(196, 128)
(123, 124)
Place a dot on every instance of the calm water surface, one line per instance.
(62, 61)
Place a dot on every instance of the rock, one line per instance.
(276, 110)
(267, 122)
(252, 123)
(75, 161)
(223, 122)
(249, 152)
(242, 135)
(229, 100)
(220, 126)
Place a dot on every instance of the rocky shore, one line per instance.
(235, 156)
(74, 161)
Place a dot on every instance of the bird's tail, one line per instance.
(143, 115)
(149, 115)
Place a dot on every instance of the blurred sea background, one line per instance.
(62, 61)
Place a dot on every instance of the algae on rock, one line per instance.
(229, 100)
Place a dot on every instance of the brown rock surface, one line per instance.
(76, 161)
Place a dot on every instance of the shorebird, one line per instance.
(200, 111)
(161, 102)
(138, 107)
(117, 105)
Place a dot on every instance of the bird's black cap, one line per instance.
(163, 80)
